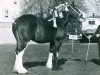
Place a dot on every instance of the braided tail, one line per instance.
(15, 32)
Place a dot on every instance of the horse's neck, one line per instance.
(60, 25)
(66, 18)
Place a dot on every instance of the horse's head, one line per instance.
(75, 12)
(64, 12)
(68, 11)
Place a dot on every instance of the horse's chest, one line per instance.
(44, 33)
(60, 33)
(39, 32)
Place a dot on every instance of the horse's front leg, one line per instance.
(55, 53)
(49, 63)
(52, 62)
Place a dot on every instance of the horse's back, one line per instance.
(30, 27)
(25, 26)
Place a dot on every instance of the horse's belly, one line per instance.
(47, 37)
(41, 40)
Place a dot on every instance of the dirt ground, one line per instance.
(36, 56)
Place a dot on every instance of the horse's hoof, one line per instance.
(49, 66)
(56, 68)
(20, 71)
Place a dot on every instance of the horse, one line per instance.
(29, 27)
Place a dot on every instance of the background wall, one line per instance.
(9, 9)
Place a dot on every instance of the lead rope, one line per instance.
(87, 54)
(72, 58)
(85, 35)
(72, 45)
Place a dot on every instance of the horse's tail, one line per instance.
(14, 28)
(15, 32)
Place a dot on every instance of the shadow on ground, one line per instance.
(42, 63)
(96, 61)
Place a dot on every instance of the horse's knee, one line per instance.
(19, 48)
(52, 49)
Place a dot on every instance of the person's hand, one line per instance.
(89, 36)
(98, 35)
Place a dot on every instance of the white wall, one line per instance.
(86, 25)
(93, 7)
(13, 10)
(6, 35)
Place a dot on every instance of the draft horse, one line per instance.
(30, 27)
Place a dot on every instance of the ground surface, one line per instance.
(36, 56)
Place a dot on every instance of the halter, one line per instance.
(76, 11)
(56, 13)
(66, 8)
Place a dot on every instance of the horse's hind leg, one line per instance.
(18, 67)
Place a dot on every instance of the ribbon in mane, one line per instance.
(57, 12)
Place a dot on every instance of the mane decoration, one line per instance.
(57, 12)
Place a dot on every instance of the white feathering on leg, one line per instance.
(18, 67)
(57, 54)
(49, 62)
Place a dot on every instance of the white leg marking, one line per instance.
(49, 62)
(18, 67)
(57, 54)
